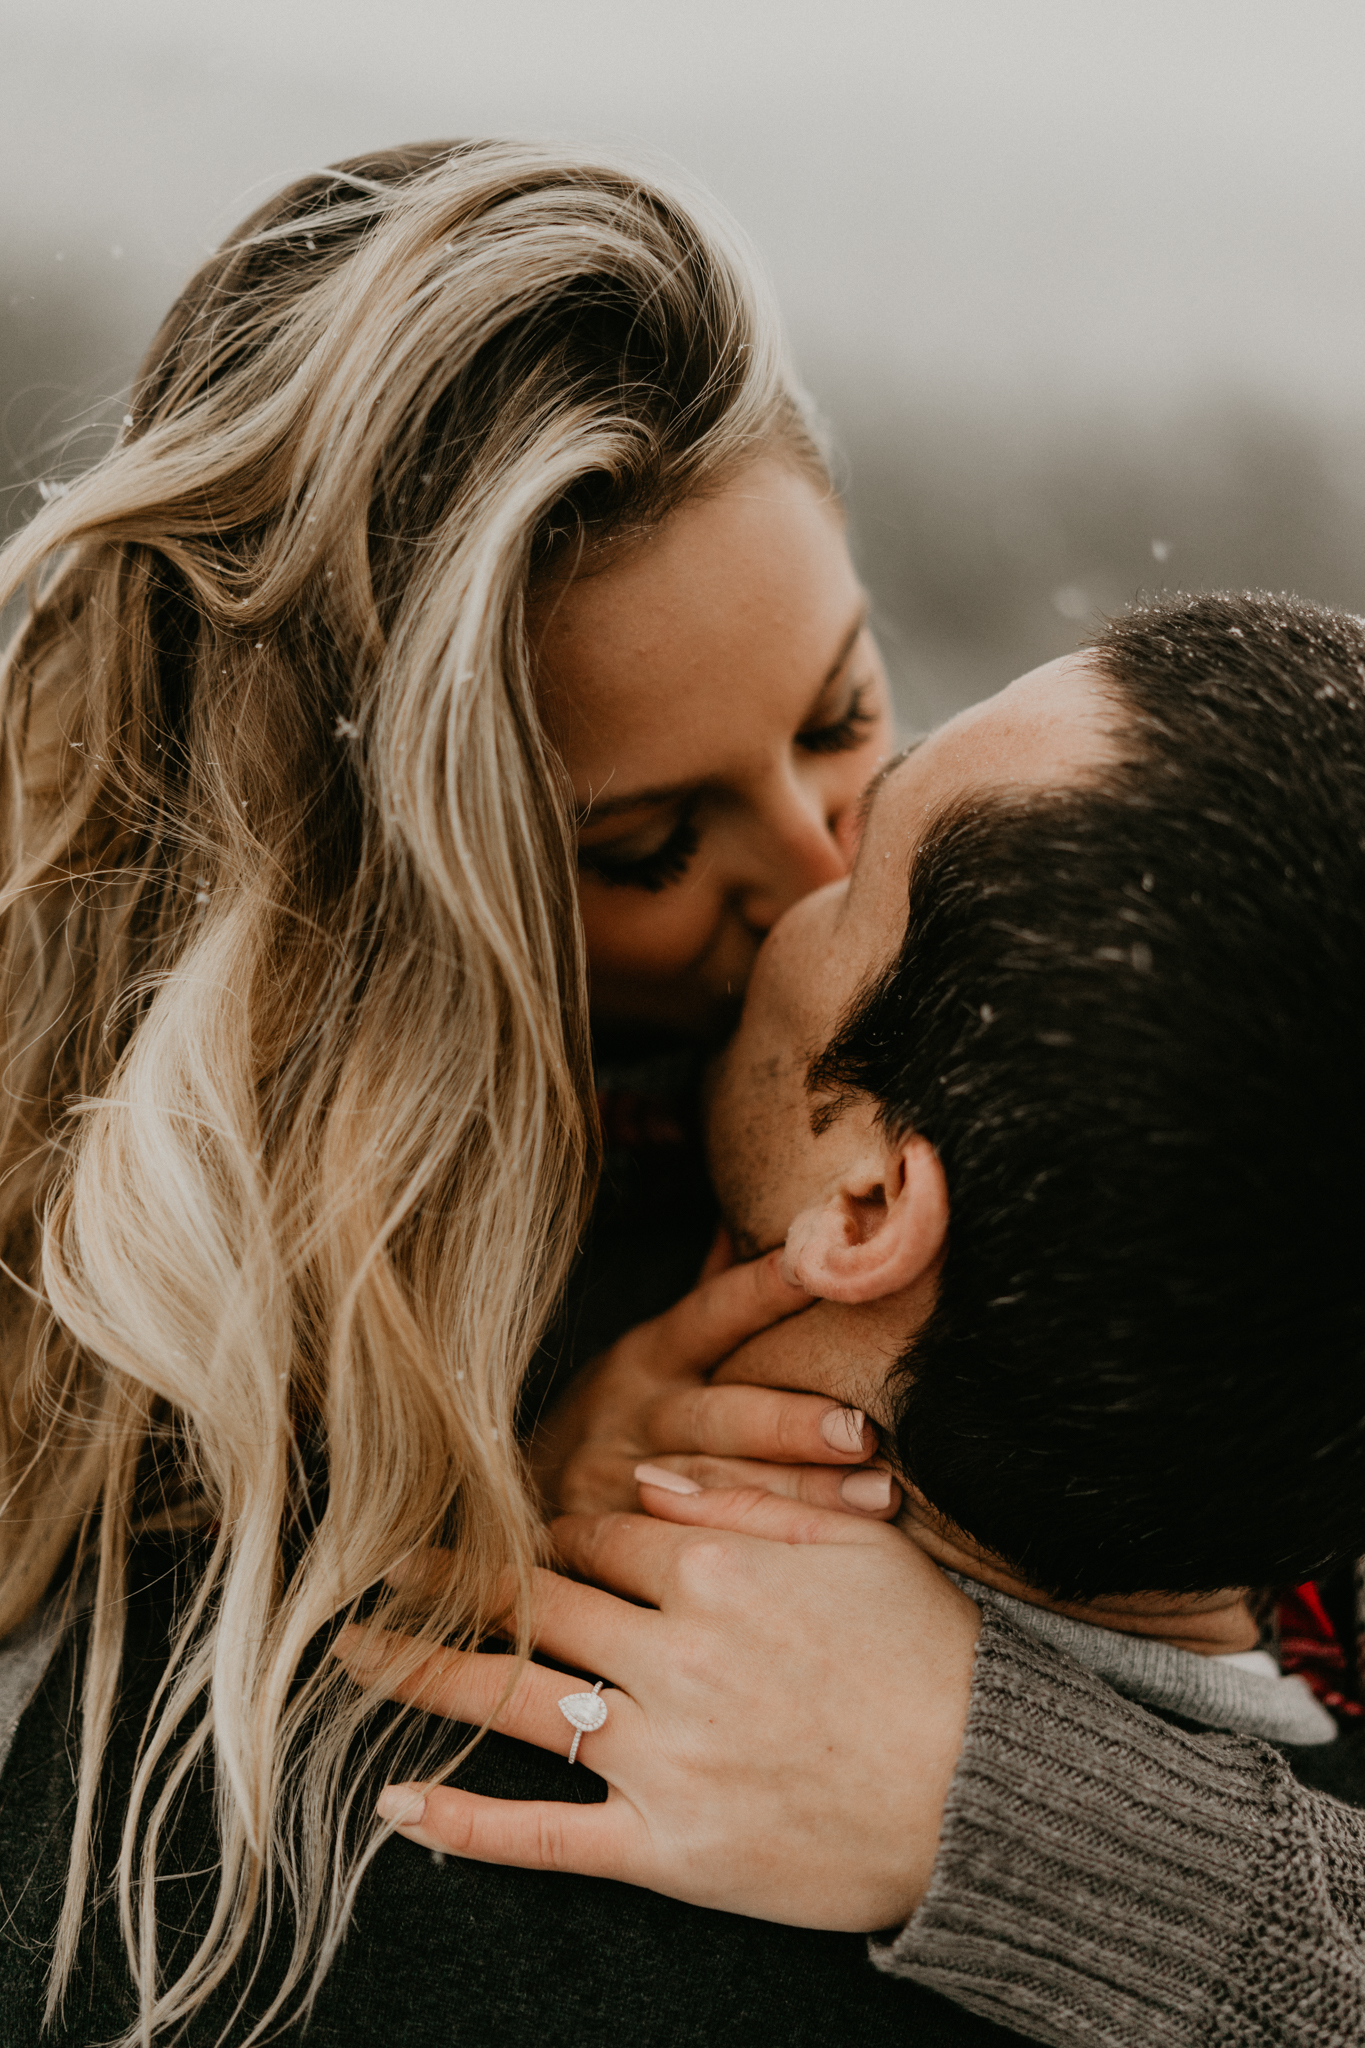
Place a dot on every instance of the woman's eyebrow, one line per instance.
(637, 800)
(592, 811)
(846, 647)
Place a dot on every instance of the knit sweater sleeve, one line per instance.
(1104, 1877)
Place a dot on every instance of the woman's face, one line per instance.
(719, 703)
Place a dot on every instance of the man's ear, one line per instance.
(880, 1228)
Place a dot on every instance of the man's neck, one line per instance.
(1209, 1624)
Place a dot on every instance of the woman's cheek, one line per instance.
(632, 931)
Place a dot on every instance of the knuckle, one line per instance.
(453, 1822)
(578, 1539)
(592, 1481)
(709, 1430)
(792, 1427)
(523, 1696)
(618, 1541)
(551, 1847)
(678, 1422)
(704, 1568)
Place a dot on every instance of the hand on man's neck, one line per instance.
(1210, 1624)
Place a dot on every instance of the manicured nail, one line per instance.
(870, 1491)
(842, 1429)
(403, 1803)
(671, 1482)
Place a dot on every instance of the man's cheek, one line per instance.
(749, 1152)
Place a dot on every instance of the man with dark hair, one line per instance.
(1128, 1017)
(1074, 1164)
(1066, 1143)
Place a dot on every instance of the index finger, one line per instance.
(736, 1420)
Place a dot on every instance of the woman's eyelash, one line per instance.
(848, 732)
(652, 871)
(669, 862)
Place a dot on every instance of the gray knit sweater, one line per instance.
(1104, 1877)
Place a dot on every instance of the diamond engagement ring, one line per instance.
(583, 1711)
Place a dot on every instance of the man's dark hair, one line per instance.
(1131, 1018)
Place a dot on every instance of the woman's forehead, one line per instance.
(682, 658)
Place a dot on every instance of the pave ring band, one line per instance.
(583, 1711)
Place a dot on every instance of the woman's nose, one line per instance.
(803, 850)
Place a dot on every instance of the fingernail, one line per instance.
(867, 1490)
(671, 1482)
(842, 1429)
(404, 1803)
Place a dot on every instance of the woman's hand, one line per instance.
(648, 1398)
(784, 1715)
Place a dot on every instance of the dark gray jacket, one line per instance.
(438, 1955)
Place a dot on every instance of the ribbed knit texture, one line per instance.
(1104, 1877)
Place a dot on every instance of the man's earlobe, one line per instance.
(877, 1232)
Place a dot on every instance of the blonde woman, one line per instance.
(462, 622)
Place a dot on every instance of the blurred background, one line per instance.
(1079, 283)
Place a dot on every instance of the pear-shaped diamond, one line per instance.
(583, 1711)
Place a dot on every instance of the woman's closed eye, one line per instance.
(653, 868)
(655, 856)
(843, 734)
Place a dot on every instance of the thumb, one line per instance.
(753, 1511)
(719, 1314)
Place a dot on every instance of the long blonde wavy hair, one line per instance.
(296, 1132)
